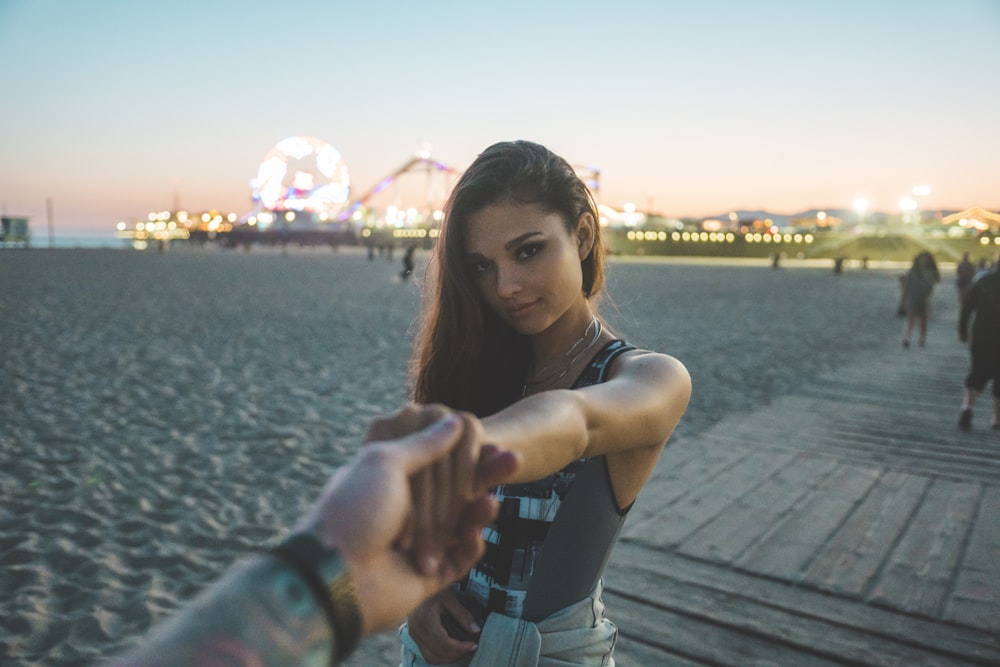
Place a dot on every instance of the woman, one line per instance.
(511, 333)
(918, 287)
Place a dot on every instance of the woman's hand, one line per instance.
(435, 514)
(426, 627)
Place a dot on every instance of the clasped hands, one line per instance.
(407, 513)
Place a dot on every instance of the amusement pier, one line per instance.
(301, 197)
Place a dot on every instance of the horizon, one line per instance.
(120, 108)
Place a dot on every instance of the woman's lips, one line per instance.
(522, 309)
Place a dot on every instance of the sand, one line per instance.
(163, 414)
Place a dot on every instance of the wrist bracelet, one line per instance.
(323, 571)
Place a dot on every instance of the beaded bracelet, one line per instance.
(323, 571)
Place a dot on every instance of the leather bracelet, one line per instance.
(323, 571)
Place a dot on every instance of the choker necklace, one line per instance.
(561, 371)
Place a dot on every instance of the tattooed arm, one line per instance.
(260, 613)
(264, 613)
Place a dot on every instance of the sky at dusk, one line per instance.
(114, 108)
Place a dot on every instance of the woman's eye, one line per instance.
(480, 267)
(529, 250)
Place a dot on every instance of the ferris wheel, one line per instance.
(302, 174)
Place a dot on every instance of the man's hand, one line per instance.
(434, 481)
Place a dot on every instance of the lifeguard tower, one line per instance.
(16, 231)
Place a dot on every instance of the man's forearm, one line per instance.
(262, 613)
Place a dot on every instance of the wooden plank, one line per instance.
(855, 553)
(792, 544)
(732, 629)
(669, 481)
(700, 640)
(632, 651)
(952, 461)
(753, 514)
(975, 597)
(918, 575)
(639, 571)
(673, 523)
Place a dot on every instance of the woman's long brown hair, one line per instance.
(464, 355)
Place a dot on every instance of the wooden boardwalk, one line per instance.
(851, 523)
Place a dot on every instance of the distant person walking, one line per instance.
(982, 304)
(919, 285)
(408, 262)
(964, 273)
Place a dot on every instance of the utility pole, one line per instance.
(52, 224)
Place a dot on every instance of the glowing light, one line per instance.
(711, 225)
(821, 216)
(907, 204)
(921, 191)
(121, 226)
(231, 217)
(409, 233)
(860, 205)
(289, 216)
(303, 181)
(287, 179)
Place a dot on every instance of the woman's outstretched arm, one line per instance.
(637, 408)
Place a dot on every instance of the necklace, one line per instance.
(561, 371)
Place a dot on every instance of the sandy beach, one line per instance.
(163, 414)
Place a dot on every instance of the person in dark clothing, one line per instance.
(920, 281)
(982, 301)
(964, 273)
(408, 262)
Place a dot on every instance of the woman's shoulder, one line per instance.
(652, 364)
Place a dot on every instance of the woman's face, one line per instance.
(526, 264)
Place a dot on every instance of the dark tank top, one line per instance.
(553, 537)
